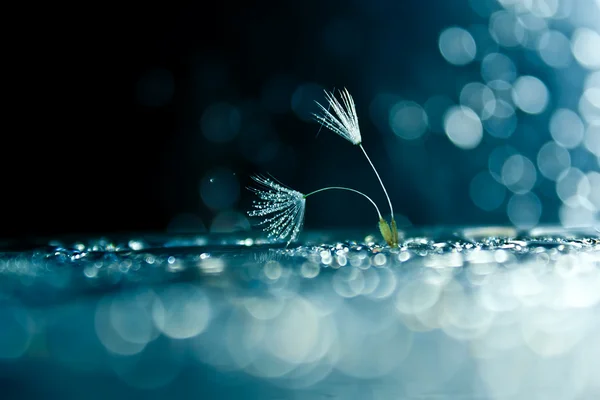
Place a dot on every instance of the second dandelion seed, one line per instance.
(283, 208)
(344, 121)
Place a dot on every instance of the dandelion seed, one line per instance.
(283, 207)
(344, 122)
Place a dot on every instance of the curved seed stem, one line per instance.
(350, 190)
(380, 181)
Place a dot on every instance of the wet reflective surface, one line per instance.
(453, 313)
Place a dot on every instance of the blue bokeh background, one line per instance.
(475, 112)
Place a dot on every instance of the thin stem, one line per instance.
(380, 181)
(350, 190)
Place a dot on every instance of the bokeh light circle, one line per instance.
(530, 94)
(592, 139)
(457, 46)
(566, 128)
(524, 210)
(182, 312)
(589, 105)
(477, 96)
(519, 174)
(542, 8)
(463, 127)
(500, 119)
(585, 43)
(497, 66)
(552, 160)
(506, 29)
(571, 184)
(554, 49)
(408, 120)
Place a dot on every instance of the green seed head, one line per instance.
(386, 232)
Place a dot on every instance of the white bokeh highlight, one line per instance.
(457, 46)
(530, 94)
(463, 127)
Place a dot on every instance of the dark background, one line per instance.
(110, 101)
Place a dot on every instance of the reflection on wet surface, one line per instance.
(469, 313)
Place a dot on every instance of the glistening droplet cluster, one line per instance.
(491, 311)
